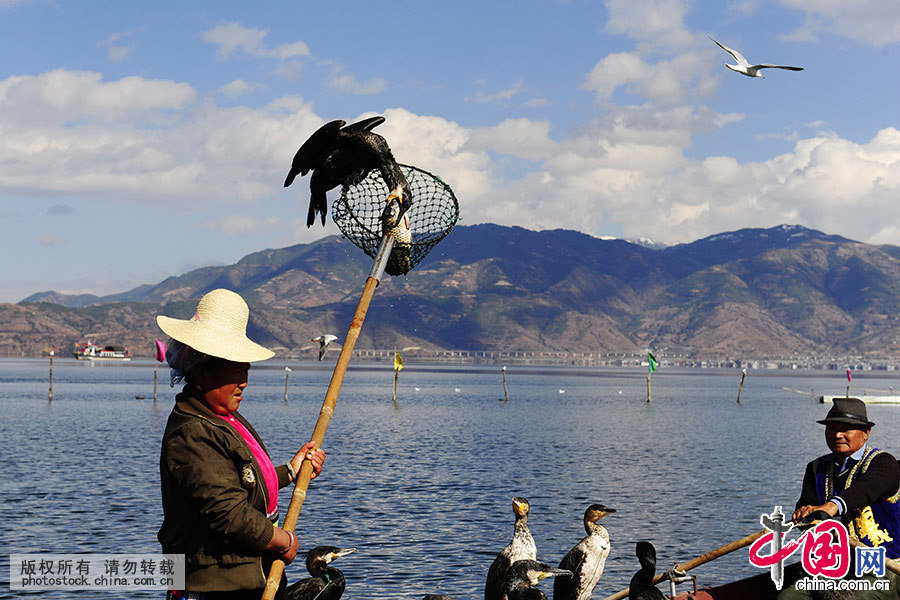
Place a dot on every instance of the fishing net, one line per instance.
(432, 215)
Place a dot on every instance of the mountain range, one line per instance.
(770, 292)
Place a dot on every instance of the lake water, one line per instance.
(422, 488)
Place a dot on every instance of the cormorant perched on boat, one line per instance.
(586, 559)
(523, 575)
(326, 583)
(339, 155)
(641, 586)
(521, 547)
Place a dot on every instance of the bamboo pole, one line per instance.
(155, 377)
(396, 376)
(648, 388)
(331, 396)
(701, 560)
(741, 387)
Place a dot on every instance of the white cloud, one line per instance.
(62, 95)
(115, 49)
(516, 137)
(240, 224)
(348, 84)
(871, 22)
(658, 23)
(500, 97)
(626, 170)
(239, 87)
(232, 37)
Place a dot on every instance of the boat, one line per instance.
(92, 351)
(756, 587)
(865, 397)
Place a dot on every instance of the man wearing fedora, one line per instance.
(856, 484)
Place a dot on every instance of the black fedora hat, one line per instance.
(851, 411)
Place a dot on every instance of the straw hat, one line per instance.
(218, 328)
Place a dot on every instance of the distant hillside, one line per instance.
(774, 291)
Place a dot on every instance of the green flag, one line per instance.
(653, 362)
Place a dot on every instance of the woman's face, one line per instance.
(222, 383)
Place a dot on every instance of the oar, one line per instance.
(700, 560)
(331, 396)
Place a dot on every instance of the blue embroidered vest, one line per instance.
(875, 525)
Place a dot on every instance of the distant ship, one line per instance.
(91, 351)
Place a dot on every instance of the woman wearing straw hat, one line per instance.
(219, 486)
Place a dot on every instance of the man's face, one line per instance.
(844, 439)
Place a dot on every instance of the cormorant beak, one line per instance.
(554, 573)
(396, 194)
(342, 552)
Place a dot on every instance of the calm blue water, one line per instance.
(422, 488)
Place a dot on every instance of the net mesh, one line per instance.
(433, 214)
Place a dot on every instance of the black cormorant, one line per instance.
(326, 583)
(523, 575)
(521, 547)
(586, 559)
(641, 586)
(338, 155)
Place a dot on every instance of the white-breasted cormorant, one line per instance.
(522, 547)
(586, 559)
(338, 155)
(324, 340)
(523, 575)
(641, 586)
(327, 582)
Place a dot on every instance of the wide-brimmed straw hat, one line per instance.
(218, 328)
(851, 411)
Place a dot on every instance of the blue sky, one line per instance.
(141, 140)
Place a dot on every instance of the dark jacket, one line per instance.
(879, 481)
(214, 512)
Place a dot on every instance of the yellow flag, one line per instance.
(398, 361)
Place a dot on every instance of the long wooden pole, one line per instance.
(331, 396)
(700, 560)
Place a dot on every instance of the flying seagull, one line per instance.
(324, 340)
(745, 68)
(341, 154)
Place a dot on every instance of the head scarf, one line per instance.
(182, 359)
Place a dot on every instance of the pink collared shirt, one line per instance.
(265, 463)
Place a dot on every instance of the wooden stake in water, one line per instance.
(51, 376)
(396, 376)
(287, 373)
(648, 388)
(741, 387)
(155, 377)
(505, 393)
